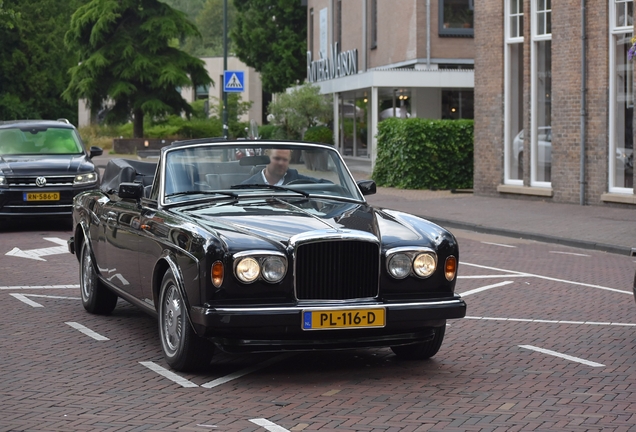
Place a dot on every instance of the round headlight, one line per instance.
(400, 265)
(247, 270)
(273, 269)
(424, 265)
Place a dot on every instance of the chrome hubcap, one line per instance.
(172, 319)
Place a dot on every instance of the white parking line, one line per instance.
(484, 288)
(238, 374)
(87, 331)
(563, 356)
(24, 299)
(501, 276)
(499, 244)
(18, 287)
(53, 297)
(550, 278)
(569, 253)
(169, 374)
(272, 427)
(552, 321)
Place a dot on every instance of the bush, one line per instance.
(319, 134)
(425, 154)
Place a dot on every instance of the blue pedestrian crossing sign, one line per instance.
(233, 81)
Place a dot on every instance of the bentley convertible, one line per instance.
(253, 246)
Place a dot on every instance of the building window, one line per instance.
(339, 23)
(374, 24)
(458, 104)
(456, 18)
(513, 72)
(541, 96)
(311, 31)
(621, 141)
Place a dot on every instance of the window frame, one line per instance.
(614, 32)
(509, 42)
(453, 32)
(534, 127)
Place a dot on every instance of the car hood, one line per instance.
(272, 223)
(44, 164)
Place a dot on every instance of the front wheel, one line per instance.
(183, 349)
(96, 298)
(422, 350)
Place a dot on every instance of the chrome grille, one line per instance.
(50, 180)
(337, 270)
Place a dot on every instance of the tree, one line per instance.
(300, 109)
(271, 36)
(128, 58)
(33, 59)
(208, 16)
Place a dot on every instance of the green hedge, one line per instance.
(424, 154)
(319, 134)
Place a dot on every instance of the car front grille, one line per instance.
(337, 270)
(51, 181)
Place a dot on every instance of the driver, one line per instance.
(277, 172)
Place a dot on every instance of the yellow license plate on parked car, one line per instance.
(343, 318)
(41, 196)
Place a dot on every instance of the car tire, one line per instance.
(183, 349)
(422, 350)
(96, 297)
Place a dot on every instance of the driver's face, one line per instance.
(279, 162)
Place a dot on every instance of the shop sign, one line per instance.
(339, 65)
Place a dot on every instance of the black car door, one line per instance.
(122, 243)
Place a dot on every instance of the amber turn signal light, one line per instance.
(217, 273)
(450, 268)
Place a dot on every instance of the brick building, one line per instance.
(550, 75)
(381, 58)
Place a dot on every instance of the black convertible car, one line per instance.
(254, 246)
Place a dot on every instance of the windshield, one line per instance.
(39, 140)
(196, 171)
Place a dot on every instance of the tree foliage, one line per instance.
(33, 59)
(208, 17)
(271, 36)
(128, 59)
(300, 109)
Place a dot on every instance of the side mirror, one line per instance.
(131, 191)
(367, 187)
(95, 151)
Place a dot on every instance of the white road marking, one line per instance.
(87, 331)
(53, 297)
(569, 253)
(36, 254)
(169, 374)
(272, 427)
(499, 244)
(484, 288)
(501, 276)
(551, 321)
(17, 287)
(24, 299)
(238, 374)
(207, 426)
(563, 356)
(550, 278)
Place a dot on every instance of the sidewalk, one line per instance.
(588, 227)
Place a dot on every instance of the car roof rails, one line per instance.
(63, 120)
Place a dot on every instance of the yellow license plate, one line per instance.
(343, 318)
(41, 196)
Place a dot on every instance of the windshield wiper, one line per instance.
(269, 186)
(199, 192)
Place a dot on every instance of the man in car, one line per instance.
(277, 172)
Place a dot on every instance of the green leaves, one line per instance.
(425, 154)
(127, 55)
(271, 36)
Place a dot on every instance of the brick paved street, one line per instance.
(522, 297)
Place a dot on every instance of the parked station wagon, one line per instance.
(234, 246)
